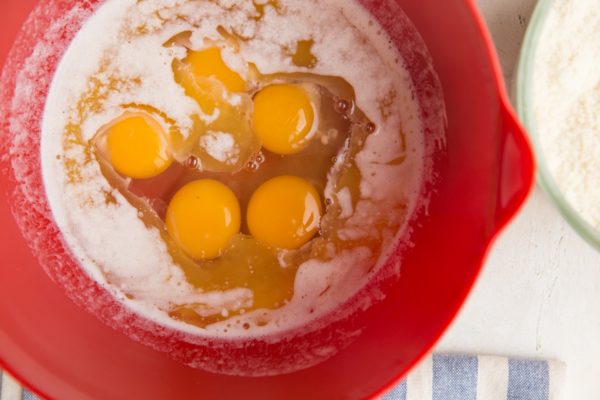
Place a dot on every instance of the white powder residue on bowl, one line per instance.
(111, 241)
(567, 102)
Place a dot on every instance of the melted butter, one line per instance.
(181, 39)
(231, 37)
(261, 8)
(303, 57)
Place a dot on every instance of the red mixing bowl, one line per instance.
(484, 175)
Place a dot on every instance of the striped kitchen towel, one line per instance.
(11, 390)
(459, 377)
(444, 377)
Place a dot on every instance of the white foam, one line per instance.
(111, 241)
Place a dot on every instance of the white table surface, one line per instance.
(539, 293)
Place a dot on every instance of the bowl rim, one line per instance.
(524, 100)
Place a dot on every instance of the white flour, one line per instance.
(567, 102)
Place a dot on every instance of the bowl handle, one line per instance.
(517, 167)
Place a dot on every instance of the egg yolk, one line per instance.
(283, 118)
(203, 217)
(284, 212)
(137, 147)
(209, 63)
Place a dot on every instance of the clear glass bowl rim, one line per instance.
(523, 96)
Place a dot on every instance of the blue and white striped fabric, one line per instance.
(11, 390)
(443, 377)
(459, 377)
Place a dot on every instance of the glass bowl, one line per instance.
(524, 99)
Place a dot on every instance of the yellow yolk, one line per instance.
(203, 217)
(209, 63)
(283, 118)
(284, 212)
(137, 147)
